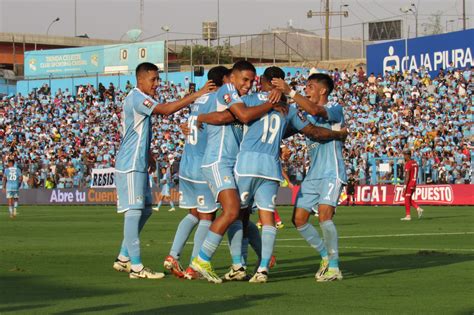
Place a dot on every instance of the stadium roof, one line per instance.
(53, 40)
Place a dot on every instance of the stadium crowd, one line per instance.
(58, 138)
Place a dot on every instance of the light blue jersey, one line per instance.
(223, 141)
(260, 148)
(13, 175)
(133, 154)
(326, 157)
(196, 141)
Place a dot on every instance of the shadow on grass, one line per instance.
(27, 289)
(366, 264)
(101, 308)
(387, 264)
(17, 308)
(211, 307)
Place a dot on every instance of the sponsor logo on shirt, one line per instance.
(227, 98)
(147, 103)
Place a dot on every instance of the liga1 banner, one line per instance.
(103, 178)
(424, 195)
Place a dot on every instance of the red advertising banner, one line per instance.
(424, 194)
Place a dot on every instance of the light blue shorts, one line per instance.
(196, 195)
(219, 177)
(133, 191)
(318, 192)
(258, 191)
(12, 194)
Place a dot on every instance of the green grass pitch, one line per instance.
(59, 260)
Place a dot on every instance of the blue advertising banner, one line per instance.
(64, 61)
(93, 59)
(431, 52)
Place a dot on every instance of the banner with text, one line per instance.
(424, 195)
(103, 177)
(364, 195)
(432, 52)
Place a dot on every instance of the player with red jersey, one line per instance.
(411, 172)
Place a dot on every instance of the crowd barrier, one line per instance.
(364, 195)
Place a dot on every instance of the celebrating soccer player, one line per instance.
(323, 183)
(194, 193)
(133, 161)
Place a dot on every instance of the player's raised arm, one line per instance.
(324, 134)
(216, 118)
(307, 105)
(170, 108)
(247, 114)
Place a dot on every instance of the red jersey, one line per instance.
(411, 172)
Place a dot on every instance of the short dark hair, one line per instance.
(145, 67)
(323, 79)
(217, 74)
(273, 72)
(244, 65)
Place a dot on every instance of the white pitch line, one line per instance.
(385, 235)
(388, 248)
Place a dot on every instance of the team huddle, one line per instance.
(231, 161)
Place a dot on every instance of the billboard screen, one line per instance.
(433, 52)
(93, 59)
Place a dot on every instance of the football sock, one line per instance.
(276, 216)
(235, 233)
(15, 204)
(311, 235)
(268, 241)
(200, 235)
(330, 237)
(245, 250)
(254, 238)
(185, 228)
(130, 234)
(209, 246)
(123, 255)
(171, 203)
(10, 209)
(159, 204)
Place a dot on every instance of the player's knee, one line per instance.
(298, 221)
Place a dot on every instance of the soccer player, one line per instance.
(411, 173)
(165, 190)
(323, 183)
(219, 158)
(258, 168)
(133, 162)
(11, 184)
(194, 193)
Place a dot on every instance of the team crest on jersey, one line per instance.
(200, 200)
(226, 179)
(227, 98)
(147, 103)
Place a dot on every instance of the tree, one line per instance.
(433, 26)
(204, 55)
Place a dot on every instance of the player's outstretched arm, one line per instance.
(216, 118)
(247, 114)
(308, 106)
(324, 134)
(170, 108)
